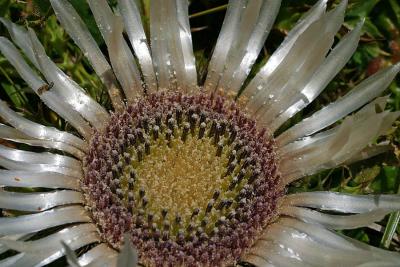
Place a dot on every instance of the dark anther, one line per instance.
(230, 168)
(210, 205)
(241, 175)
(115, 171)
(158, 119)
(164, 213)
(248, 161)
(178, 219)
(132, 173)
(144, 202)
(244, 152)
(131, 197)
(220, 146)
(156, 130)
(202, 129)
(140, 135)
(142, 192)
(232, 156)
(178, 115)
(120, 194)
(127, 158)
(220, 221)
(171, 124)
(147, 147)
(168, 117)
(228, 203)
(131, 183)
(254, 175)
(203, 117)
(185, 132)
(231, 214)
(233, 183)
(168, 136)
(193, 121)
(217, 134)
(233, 135)
(204, 222)
(140, 153)
(238, 145)
(195, 212)
(166, 226)
(212, 129)
(145, 124)
(120, 166)
(190, 227)
(150, 218)
(216, 194)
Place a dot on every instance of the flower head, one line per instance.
(191, 174)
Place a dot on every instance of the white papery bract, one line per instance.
(303, 232)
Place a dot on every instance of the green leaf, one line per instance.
(4, 5)
(367, 175)
(17, 97)
(392, 223)
(396, 9)
(391, 175)
(43, 6)
(84, 12)
(361, 8)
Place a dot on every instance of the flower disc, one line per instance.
(190, 178)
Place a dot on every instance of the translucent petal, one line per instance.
(70, 255)
(37, 179)
(138, 39)
(282, 51)
(34, 158)
(369, 152)
(348, 140)
(123, 62)
(226, 36)
(255, 24)
(129, 77)
(13, 237)
(17, 165)
(325, 73)
(311, 144)
(364, 92)
(171, 44)
(38, 201)
(67, 89)
(337, 222)
(77, 29)
(12, 134)
(43, 220)
(303, 59)
(332, 239)
(342, 202)
(45, 257)
(48, 96)
(128, 255)
(277, 254)
(20, 37)
(184, 37)
(310, 251)
(10, 261)
(48, 243)
(96, 253)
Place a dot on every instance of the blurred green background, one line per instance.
(379, 47)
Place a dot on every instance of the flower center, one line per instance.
(189, 177)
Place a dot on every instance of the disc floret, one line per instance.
(191, 178)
